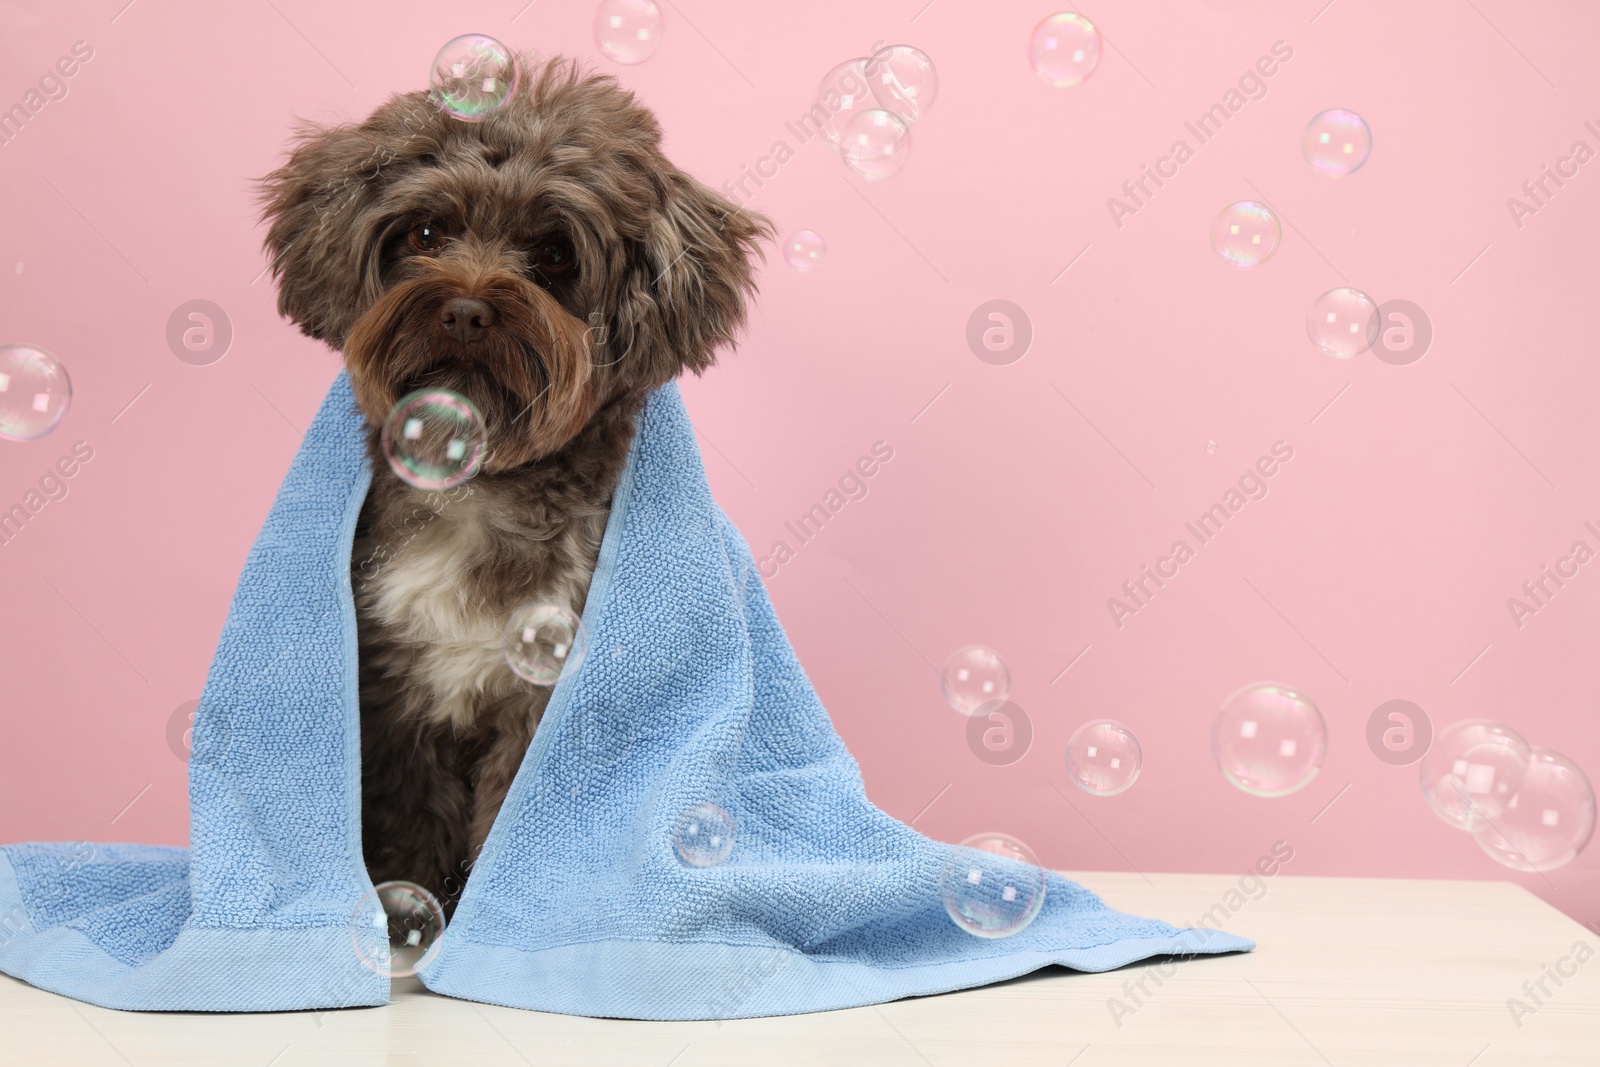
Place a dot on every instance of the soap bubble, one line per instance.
(472, 77)
(396, 928)
(1064, 49)
(629, 31)
(875, 144)
(434, 439)
(1472, 770)
(903, 81)
(1343, 323)
(804, 251)
(843, 94)
(1269, 740)
(35, 392)
(545, 642)
(992, 885)
(1103, 757)
(973, 676)
(1548, 819)
(1246, 234)
(1337, 142)
(703, 836)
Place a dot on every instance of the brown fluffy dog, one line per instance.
(552, 266)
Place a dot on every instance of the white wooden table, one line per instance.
(1348, 971)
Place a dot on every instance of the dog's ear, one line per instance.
(322, 253)
(687, 296)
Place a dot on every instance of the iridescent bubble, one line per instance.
(1337, 142)
(875, 144)
(396, 928)
(1103, 757)
(1548, 819)
(992, 885)
(703, 836)
(843, 94)
(973, 676)
(1269, 740)
(1472, 770)
(434, 439)
(804, 251)
(1343, 323)
(35, 392)
(1246, 234)
(472, 77)
(545, 642)
(1064, 49)
(629, 31)
(903, 81)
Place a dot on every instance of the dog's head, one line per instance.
(540, 262)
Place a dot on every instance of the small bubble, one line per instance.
(704, 836)
(992, 885)
(472, 77)
(545, 643)
(434, 439)
(396, 928)
(629, 31)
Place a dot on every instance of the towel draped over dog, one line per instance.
(579, 903)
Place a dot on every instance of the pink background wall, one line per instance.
(1380, 562)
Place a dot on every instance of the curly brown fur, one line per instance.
(551, 265)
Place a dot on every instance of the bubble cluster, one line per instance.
(1547, 821)
(472, 77)
(1269, 740)
(1064, 49)
(1343, 323)
(434, 439)
(1472, 770)
(629, 31)
(843, 94)
(703, 836)
(972, 677)
(804, 250)
(992, 885)
(545, 642)
(902, 81)
(35, 392)
(396, 928)
(1246, 234)
(1103, 757)
(1336, 142)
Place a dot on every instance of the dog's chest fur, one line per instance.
(444, 720)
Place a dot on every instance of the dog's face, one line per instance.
(540, 262)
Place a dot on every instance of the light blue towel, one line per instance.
(579, 903)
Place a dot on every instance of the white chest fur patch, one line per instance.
(425, 600)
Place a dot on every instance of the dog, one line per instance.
(552, 266)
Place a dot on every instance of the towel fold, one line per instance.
(582, 900)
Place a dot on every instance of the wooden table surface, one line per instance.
(1347, 971)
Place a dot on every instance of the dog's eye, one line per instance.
(552, 257)
(426, 239)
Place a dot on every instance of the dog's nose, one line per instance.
(466, 319)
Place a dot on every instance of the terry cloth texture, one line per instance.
(580, 903)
